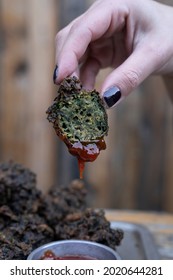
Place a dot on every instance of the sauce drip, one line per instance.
(49, 255)
(81, 165)
(86, 152)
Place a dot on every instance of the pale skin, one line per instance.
(134, 38)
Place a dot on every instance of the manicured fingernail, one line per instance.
(111, 96)
(55, 74)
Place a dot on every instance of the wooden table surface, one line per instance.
(159, 224)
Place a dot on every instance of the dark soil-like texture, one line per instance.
(29, 219)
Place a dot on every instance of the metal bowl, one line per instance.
(76, 248)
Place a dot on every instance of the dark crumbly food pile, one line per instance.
(29, 219)
(77, 114)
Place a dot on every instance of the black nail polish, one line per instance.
(55, 74)
(111, 96)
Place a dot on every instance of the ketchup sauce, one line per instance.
(86, 152)
(49, 255)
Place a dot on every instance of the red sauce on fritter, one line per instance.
(86, 152)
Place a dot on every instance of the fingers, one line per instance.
(73, 41)
(72, 51)
(120, 82)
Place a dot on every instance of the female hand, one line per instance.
(135, 38)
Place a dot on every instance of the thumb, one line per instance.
(125, 78)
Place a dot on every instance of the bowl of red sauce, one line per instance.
(74, 250)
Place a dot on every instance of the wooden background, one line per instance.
(135, 171)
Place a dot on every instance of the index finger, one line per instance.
(89, 27)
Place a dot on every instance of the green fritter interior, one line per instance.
(81, 116)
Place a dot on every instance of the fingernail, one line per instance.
(111, 96)
(55, 74)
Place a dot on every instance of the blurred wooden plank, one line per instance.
(70, 10)
(42, 28)
(29, 28)
(14, 70)
(168, 188)
(154, 120)
(168, 80)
